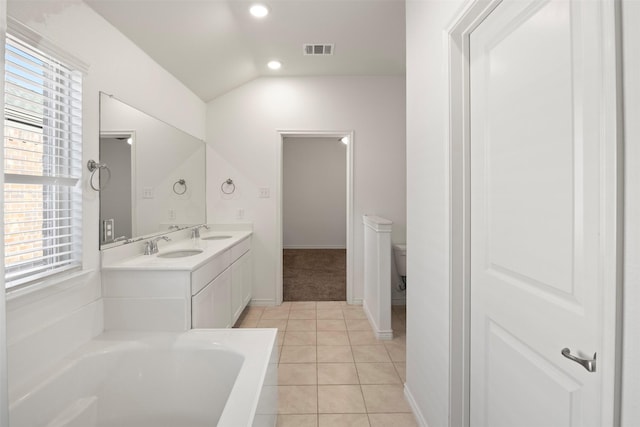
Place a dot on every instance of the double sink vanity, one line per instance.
(199, 278)
(161, 269)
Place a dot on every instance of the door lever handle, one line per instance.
(588, 364)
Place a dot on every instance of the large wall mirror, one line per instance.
(157, 179)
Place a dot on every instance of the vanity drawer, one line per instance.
(240, 248)
(209, 271)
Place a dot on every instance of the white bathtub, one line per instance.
(223, 377)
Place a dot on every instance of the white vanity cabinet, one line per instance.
(208, 290)
(219, 303)
(211, 307)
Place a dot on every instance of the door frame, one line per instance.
(134, 174)
(609, 361)
(282, 134)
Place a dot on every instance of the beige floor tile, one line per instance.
(401, 368)
(302, 314)
(363, 338)
(297, 374)
(275, 313)
(331, 314)
(335, 354)
(281, 324)
(284, 304)
(333, 338)
(301, 325)
(340, 399)
(248, 313)
(337, 373)
(303, 305)
(325, 305)
(343, 420)
(377, 373)
(392, 420)
(370, 353)
(331, 325)
(397, 351)
(300, 338)
(358, 325)
(285, 420)
(298, 354)
(398, 339)
(385, 398)
(280, 337)
(297, 399)
(248, 323)
(354, 313)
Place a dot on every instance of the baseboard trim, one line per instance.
(262, 302)
(414, 407)
(314, 247)
(381, 334)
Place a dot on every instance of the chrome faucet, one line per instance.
(151, 247)
(195, 231)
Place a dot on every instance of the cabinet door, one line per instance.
(247, 282)
(210, 307)
(240, 284)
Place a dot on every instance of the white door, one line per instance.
(541, 171)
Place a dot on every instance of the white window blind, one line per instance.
(42, 164)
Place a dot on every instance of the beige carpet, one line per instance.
(314, 275)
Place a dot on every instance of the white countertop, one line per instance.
(210, 249)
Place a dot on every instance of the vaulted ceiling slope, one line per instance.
(213, 46)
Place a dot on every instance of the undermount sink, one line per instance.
(181, 253)
(216, 237)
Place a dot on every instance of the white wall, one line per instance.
(428, 208)
(45, 325)
(244, 145)
(428, 211)
(631, 310)
(314, 192)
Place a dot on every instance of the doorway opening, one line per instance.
(315, 224)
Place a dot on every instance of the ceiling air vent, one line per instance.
(318, 49)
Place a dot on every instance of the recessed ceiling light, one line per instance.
(274, 65)
(259, 10)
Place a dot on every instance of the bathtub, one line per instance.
(198, 378)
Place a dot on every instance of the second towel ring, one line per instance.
(181, 182)
(93, 167)
(228, 182)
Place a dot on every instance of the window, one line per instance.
(42, 164)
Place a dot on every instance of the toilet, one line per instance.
(400, 255)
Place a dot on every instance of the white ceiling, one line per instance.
(213, 46)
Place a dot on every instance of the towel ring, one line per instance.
(94, 166)
(181, 182)
(228, 182)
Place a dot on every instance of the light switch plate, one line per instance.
(107, 230)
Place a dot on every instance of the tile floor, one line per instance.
(332, 369)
